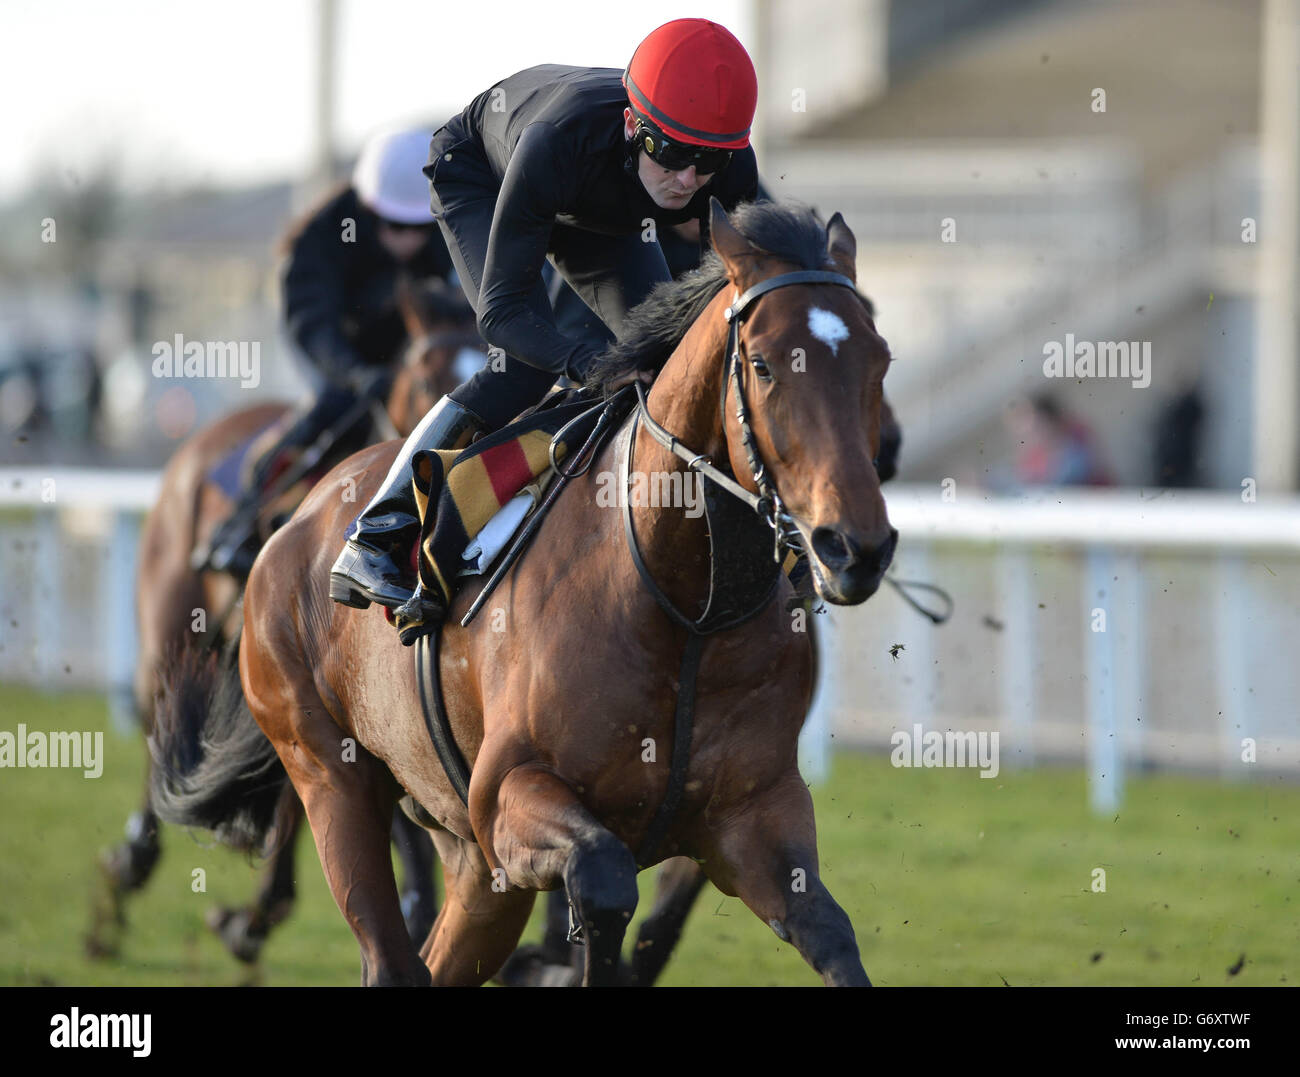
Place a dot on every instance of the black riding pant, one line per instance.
(610, 274)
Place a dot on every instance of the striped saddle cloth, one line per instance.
(461, 492)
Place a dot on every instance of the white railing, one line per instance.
(1120, 628)
(68, 540)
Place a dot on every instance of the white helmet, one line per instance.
(389, 179)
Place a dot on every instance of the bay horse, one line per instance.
(681, 880)
(170, 595)
(555, 717)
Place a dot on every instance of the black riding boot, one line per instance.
(367, 570)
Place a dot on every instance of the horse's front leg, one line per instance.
(765, 852)
(540, 836)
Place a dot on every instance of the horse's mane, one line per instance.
(788, 231)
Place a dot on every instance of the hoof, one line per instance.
(103, 940)
(127, 867)
(237, 930)
(530, 966)
(99, 948)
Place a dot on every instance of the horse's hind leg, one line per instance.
(676, 890)
(349, 805)
(166, 598)
(766, 854)
(124, 868)
(555, 936)
(679, 884)
(542, 835)
(244, 930)
(129, 864)
(555, 961)
(479, 923)
(419, 899)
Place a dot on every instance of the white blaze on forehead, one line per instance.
(827, 327)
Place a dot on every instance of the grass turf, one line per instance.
(948, 879)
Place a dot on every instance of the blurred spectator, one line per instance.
(1177, 447)
(1055, 448)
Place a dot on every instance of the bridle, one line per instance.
(767, 502)
(727, 607)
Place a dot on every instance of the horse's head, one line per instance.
(811, 370)
(444, 348)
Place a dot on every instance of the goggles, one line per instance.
(399, 226)
(677, 156)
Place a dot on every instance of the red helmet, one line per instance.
(693, 80)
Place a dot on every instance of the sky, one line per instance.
(180, 92)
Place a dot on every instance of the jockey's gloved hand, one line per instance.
(579, 369)
(644, 376)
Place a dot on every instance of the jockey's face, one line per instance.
(666, 188)
(401, 241)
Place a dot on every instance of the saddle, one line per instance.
(266, 474)
(232, 471)
(473, 500)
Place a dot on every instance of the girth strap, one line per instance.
(435, 714)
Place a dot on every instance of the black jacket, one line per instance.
(340, 297)
(552, 138)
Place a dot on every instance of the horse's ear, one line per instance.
(842, 247)
(729, 243)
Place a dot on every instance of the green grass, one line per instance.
(948, 879)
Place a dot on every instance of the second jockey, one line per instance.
(341, 311)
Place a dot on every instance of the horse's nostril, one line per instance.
(841, 552)
(835, 549)
(884, 553)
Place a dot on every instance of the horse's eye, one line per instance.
(760, 367)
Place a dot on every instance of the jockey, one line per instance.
(339, 289)
(584, 166)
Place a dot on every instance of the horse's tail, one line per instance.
(213, 768)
